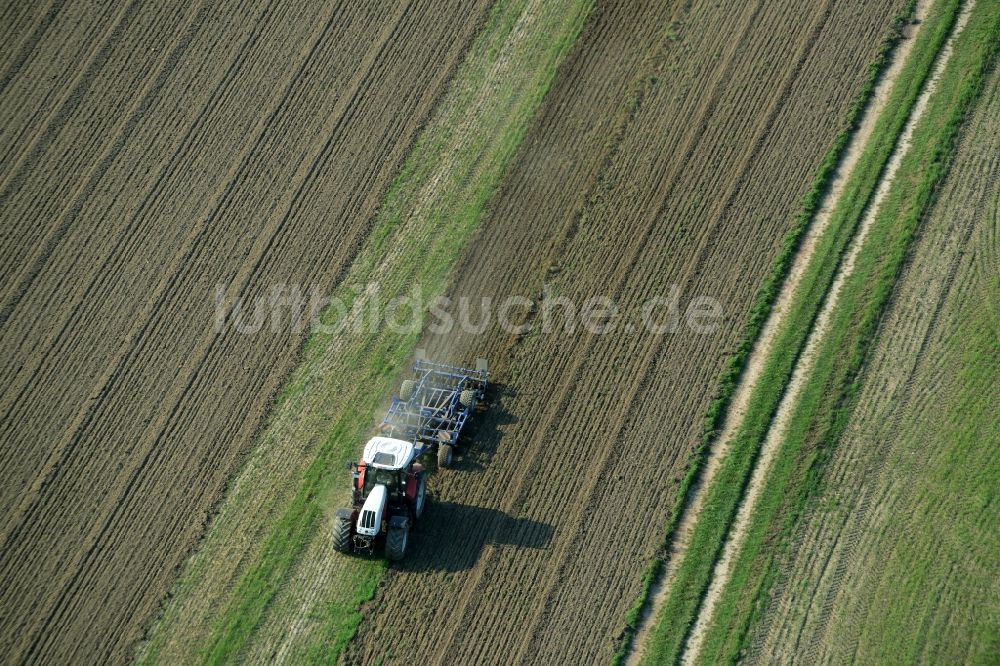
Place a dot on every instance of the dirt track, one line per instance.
(681, 163)
(844, 554)
(190, 145)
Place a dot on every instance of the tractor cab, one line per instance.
(389, 492)
(387, 462)
(387, 453)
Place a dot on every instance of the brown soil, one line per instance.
(188, 145)
(673, 149)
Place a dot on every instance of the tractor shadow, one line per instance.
(483, 433)
(451, 536)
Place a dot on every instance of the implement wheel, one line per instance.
(467, 398)
(406, 390)
(445, 455)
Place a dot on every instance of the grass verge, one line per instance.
(683, 599)
(829, 393)
(428, 214)
(763, 304)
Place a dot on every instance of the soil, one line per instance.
(682, 163)
(154, 152)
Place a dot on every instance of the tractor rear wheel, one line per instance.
(406, 390)
(467, 398)
(396, 540)
(342, 531)
(445, 455)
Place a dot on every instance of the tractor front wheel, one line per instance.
(396, 540)
(445, 455)
(421, 498)
(342, 531)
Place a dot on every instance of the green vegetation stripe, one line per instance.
(763, 304)
(474, 164)
(693, 576)
(828, 396)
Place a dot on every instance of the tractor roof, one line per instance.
(388, 453)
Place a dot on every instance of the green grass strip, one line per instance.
(694, 574)
(427, 261)
(828, 396)
(763, 304)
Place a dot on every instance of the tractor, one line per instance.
(389, 494)
(389, 486)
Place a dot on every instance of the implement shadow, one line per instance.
(484, 431)
(451, 536)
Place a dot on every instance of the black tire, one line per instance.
(467, 398)
(420, 501)
(397, 538)
(342, 531)
(445, 455)
(406, 390)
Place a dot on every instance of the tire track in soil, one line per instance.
(573, 373)
(21, 283)
(40, 75)
(868, 500)
(422, 77)
(69, 221)
(576, 56)
(804, 365)
(893, 500)
(478, 600)
(30, 145)
(289, 623)
(19, 54)
(644, 368)
(451, 62)
(56, 464)
(263, 242)
(755, 142)
(69, 127)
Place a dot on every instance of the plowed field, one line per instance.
(162, 163)
(152, 154)
(673, 149)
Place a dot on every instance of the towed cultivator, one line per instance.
(389, 486)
